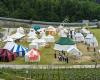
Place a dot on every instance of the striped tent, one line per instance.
(19, 50)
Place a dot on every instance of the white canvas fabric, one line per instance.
(51, 28)
(8, 39)
(49, 38)
(84, 31)
(62, 33)
(41, 42)
(79, 37)
(63, 47)
(31, 38)
(91, 40)
(33, 45)
(17, 36)
(74, 51)
(32, 33)
(9, 45)
(20, 30)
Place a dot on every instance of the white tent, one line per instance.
(9, 45)
(64, 43)
(33, 45)
(20, 30)
(84, 31)
(74, 51)
(32, 33)
(31, 38)
(62, 33)
(79, 37)
(17, 36)
(8, 39)
(42, 32)
(40, 42)
(49, 38)
(32, 56)
(91, 40)
(51, 30)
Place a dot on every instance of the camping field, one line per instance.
(47, 56)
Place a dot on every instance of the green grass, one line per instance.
(50, 74)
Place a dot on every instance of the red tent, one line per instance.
(6, 55)
(33, 55)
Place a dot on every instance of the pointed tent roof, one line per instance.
(36, 27)
(65, 41)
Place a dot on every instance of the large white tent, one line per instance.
(64, 43)
(91, 40)
(84, 31)
(32, 33)
(74, 51)
(33, 55)
(33, 45)
(49, 38)
(20, 30)
(79, 37)
(40, 42)
(62, 33)
(17, 36)
(8, 39)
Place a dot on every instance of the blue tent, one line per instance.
(19, 50)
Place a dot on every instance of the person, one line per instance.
(66, 59)
(55, 55)
(94, 49)
(88, 48)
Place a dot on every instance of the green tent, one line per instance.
(36, 27)
(65, 41)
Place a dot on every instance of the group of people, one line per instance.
(62, 57)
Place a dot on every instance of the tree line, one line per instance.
(50, 10)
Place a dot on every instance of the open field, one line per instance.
(47, 56)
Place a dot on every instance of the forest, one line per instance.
(50, 10)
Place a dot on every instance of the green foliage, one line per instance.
(50, 74)
(50, 10)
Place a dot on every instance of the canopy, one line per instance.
(17, 36)
(33, 45)
(20, 30)
(33, 55)
(40, 42)
(18, 49)
(79, 37)
(6, 55)
(8, 39)
(49, 38)
(64, 43)
(51, 28)
(74, 51)
(32, 32)
(36, 27)
(84, 31)
(62, 33)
